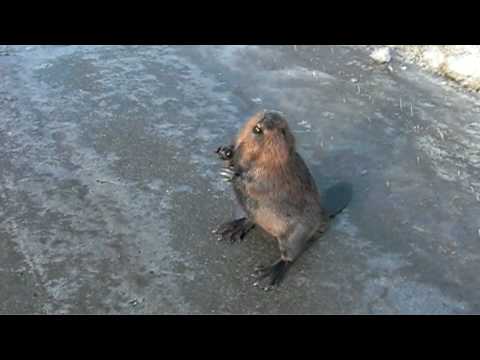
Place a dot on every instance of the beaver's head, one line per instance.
(266, 140)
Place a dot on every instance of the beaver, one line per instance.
(276, 190)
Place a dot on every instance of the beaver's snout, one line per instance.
(272, 119)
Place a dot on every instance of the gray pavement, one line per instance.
(109, 185)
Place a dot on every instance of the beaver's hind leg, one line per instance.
(291, 247)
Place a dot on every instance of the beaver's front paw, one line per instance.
(225, 152)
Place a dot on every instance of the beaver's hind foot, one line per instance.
(276, 271)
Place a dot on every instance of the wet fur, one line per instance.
(275, 188)
(275, 185)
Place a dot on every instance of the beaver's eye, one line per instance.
(257, 129)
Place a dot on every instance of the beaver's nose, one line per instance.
(271, 119)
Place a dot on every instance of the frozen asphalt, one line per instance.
(109, 184)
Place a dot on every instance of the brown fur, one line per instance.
(273, 155)
(270, 161)
(274, 187)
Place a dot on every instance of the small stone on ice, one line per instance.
(381, 55)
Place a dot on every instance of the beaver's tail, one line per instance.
(336, 198)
